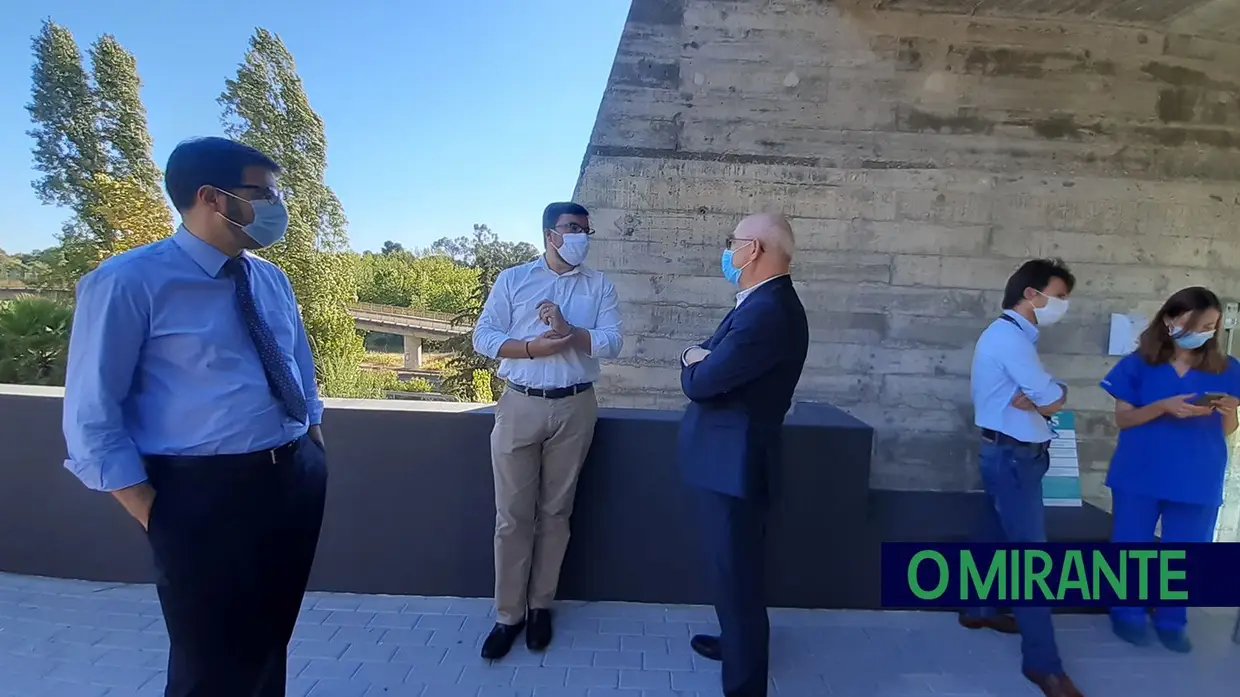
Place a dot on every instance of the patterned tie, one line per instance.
(279, 378)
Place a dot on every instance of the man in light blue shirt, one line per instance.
(190, 397)
(1013, 397)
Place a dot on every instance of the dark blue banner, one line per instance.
(1072, 575)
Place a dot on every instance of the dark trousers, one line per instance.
(233, 538)
(1012, 476)
(734, 536)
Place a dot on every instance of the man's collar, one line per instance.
(209, 258)
(542, 261)
(1029, 328)
(740, 297)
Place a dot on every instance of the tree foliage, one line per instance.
(430, 282)
(488, 256)
(93, 150)
(34, 340)
(266, 106)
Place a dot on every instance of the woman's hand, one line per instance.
(1226, 404)
(1181, 408)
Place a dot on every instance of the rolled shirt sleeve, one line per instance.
(110, 326)
(1022, 363)
(495, 320)
(607, 336)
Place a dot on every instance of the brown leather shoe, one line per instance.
(1058, 685)
(1004, 624)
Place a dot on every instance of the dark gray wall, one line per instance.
(411, 509)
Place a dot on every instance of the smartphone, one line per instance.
(1206, 399)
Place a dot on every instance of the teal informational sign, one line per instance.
(1062, 485)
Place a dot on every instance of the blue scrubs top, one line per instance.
(1170, 459)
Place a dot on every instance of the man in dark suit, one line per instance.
(740, 384)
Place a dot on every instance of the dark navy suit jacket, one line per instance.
(730, 437)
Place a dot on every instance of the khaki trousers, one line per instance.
(537, 448)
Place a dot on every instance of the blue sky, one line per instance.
(439, 114)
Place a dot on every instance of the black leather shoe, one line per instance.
(538, 630)
(707, 646)
(499, 641)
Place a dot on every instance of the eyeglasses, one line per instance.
(572, 229)
(733, 243)
(264, 193)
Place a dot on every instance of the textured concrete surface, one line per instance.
(77, 639)
(924, 149)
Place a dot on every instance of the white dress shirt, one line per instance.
(586, 298)
(1005, 362)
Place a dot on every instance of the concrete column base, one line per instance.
(413, 352)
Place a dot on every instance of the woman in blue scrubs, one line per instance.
(1175, 405)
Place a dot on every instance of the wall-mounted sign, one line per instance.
(1125, 330)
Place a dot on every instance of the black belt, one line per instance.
(998, 438)
(556, 393)
(272, 456)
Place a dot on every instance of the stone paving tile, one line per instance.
(76, 639)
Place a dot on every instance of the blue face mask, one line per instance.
(731, 272)
(1191, 340)
(270, 220)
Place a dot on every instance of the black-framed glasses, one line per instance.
(573, 229)
(733, 243)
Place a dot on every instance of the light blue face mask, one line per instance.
(1191, 340)
(270, 220)
(731, 272)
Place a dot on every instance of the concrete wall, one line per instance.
(923, 157)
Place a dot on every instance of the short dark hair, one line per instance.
(1035, 274)
(553, 211)
(212, 161)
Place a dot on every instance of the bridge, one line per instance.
(415, 326)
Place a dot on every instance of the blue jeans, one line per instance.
(1012, 477)
(1135, 516)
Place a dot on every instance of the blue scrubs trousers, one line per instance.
(1135, 516)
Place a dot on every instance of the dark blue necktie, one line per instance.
(279, 378)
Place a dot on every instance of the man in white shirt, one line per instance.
(549, 322)
(1013, 398)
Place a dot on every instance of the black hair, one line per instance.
(1035, 274)
(212, 161)
(553, 211)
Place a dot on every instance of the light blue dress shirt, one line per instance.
(1006, 362)
(160, 362)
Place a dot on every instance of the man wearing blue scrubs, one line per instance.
(1013, 397)
(1175, 404)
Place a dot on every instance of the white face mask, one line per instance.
(574, 248)
(1052, 312)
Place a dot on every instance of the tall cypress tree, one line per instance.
(92, 148)
(266, 106)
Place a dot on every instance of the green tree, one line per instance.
(266, 106)
(488, 255)
(128, 195)
(426, 282)
(34, 340)
(93, 149)
(68, 149)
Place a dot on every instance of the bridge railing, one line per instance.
(374, 309)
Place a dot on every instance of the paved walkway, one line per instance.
(77, 639)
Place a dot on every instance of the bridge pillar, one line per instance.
(413, 351)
